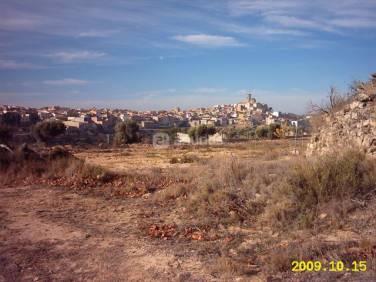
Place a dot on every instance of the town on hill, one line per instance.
(98, 125)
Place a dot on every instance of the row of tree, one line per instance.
(201, 131)
(43, 131)
(272, 131)
(13, 119)
(128, 132)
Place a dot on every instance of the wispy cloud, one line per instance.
(301, 23)
(13, 65)
(74, 56)
(206, 40)
(97, 33)
(66, 82)
(329, 16)
(354, 23)
(14, 20)
(262, 30)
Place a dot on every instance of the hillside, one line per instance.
(353, 124)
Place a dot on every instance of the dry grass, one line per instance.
(273, 197)
(172, 192)
(81, 176)
(227, 266)
(144, 157)
(224, 190)
(280, 194)
(311, 186)
(186, 158)
(54, 169)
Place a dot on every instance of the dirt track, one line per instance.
(51, 234)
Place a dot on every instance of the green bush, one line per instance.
(5, 134)
(46, 130)
(201, 131)
(126, 132)
(262, 131)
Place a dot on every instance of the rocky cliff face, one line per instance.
(352, 126)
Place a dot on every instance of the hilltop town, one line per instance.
(97, 125)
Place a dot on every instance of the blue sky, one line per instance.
(148, 54)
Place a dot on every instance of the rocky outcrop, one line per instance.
(352, 126)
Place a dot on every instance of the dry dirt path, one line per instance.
(53, 234)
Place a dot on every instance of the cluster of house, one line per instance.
(246, 113)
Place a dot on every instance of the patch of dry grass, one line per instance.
(227, 190)
(332, 180)
(186, 158)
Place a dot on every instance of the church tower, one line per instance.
(249, 97)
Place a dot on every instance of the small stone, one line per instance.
(146, 196)
(323, 216)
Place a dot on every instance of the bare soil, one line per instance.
(52, 234)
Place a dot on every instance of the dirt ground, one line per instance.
(52, 234)
(146, 157)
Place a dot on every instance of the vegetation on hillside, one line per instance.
(47, 130)
(126, 133)
(5, 134)
(201, 131)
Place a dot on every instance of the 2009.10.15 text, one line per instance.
(333, 266)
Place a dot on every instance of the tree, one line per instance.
(230, 132)
(201, 131)
(211, 130)
(47, 130)
(335, 101)
(262, 131)
(126, 132)
(274, 130)
(11, 119)
(5, 134)
(172, 133)
(34, 117)
(282, 131)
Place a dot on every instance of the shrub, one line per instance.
(201, 131)
(274, 130)
(222, 192)
(262, 131)
(172, 192)
(11, 119)
(46, 130)
(312, 184)
(335, 102)
(126, 132)
(236, 133)
(5, 134)
(186, 158)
